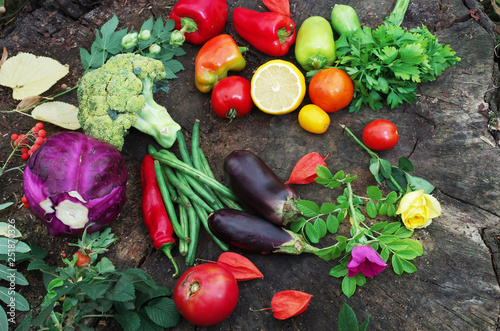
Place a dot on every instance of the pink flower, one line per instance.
(366, 260)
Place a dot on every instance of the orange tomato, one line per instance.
(331, 89)
(314, 119)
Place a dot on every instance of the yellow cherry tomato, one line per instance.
(314, 119)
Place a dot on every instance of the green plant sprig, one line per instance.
(77, 293)
(396, 178)
(389, 238)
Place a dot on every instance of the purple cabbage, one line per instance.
(74, 180)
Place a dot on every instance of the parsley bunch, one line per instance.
(388, 62)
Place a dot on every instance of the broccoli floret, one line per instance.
(119, 95)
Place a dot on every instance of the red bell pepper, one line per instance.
(154, 213)
(197, 21)
(272, 33)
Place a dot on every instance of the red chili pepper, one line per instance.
(198, 20)
(154, 213)
(271, 33)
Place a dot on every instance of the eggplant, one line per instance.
(260, 189)
(252, 234)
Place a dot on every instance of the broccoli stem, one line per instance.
(154, 119)
(398, 13)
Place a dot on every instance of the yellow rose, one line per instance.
(417, 209)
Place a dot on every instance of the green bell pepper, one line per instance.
(344, 19)
(315, 46)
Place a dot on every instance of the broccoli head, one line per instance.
(119, 95)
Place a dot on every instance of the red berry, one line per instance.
(64, 255)
(39, 125)
(42, 133)
(14, 136)
(26, 205)
(39, 141)
(25, 150)
(34, 147)
(35, 129)
(24, 199)
(25, 156)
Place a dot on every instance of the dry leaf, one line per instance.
(4, 56)
(241, 267)
(29, 102)
(286, 304)
(58, 113)
(30, 75)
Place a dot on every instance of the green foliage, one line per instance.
(12, 252)
(387, 238)
(348, 320)
(76, 293)
(108, 43)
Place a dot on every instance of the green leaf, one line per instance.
(397, 265)
(332, 224)
(407, 254)
(320, 226)
(360, 279)
(39, 265)
(378, 226)
(147, 324)
(338, 271)
(129, 320)
(8, 296)
(8, 230)
(414, 245)
(12, 275)
(405, 164)
(297, 226)
(371, 209)
(392, 197)
(347, 319)
(328, 253)
(105, 266)
(374, 193)
(163, 312)
(339, 175)
(391, 228)
(122, 291)
(382, 210)
(308, 208)
(386, 168)
(8, 245)
(4, 322)
(6, 205)
(312, 233)
(57, 282)
(408, 267)
(374, 166)
(323, 172)
(386, 238)
(399, 177)
(327, 208)
(391, 210)
(348, 286)
(96, 289)
(364, 325)
(403, 232)
(418, 183)
(384, 254)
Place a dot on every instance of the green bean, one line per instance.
(167, 202)
(171, 160)
(203, 216)
(181, 141)
(183, 217)
(185, 189)
(195, 138)
(208, 171)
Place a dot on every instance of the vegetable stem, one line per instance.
(398, 13)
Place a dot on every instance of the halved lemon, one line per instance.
(278, 87)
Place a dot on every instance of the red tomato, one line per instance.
(231, 97)
(380, 135)
(206, 294)
(83, 260)
(331, 89)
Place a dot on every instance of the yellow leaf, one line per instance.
(58, 113)
(30, 75)
(4, 56)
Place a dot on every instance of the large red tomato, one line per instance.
(231, 97)
(380, 135)
(206, 294)
(331, 89)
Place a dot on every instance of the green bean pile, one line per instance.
(190, 183)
